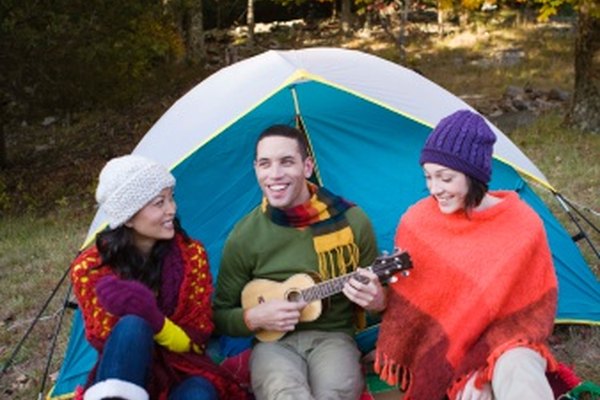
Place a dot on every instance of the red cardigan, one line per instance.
(190, 283)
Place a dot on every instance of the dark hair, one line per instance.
(288, 132)
(475, 193)
(117, 250)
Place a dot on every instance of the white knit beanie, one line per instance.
(127, 184)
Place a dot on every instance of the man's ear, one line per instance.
(309, 166)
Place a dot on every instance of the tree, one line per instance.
(3, 155)
(346, 16)
(250, 21)
(62, 56)
(585, 106)
(584, 111)
(191, 25)
(393, 16)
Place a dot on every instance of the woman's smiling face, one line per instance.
(447, 186)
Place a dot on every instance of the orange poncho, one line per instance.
(480, 285)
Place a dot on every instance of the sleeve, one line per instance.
(84, 276)
(173, 337)
(364, 236)
(234, 272)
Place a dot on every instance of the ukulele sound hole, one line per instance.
(294, 296)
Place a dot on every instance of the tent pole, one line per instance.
(316, 178)
(582, 234)
(33, 323)
(54, 340)
(574, 208)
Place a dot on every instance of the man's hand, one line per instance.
(274, 315)
(371, 295)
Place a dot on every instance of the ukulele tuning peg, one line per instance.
(393, 279)
(405, 273)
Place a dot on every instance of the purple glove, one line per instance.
(121, 297)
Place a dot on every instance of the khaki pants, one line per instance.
(519, 374)
(307, 365)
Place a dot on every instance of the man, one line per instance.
(298, 228)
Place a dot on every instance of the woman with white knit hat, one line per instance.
(145, 291)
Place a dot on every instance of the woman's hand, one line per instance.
(127, 297)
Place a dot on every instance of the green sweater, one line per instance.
(258, 248)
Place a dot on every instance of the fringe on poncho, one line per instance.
(481, 285)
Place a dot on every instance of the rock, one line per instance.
(520, 104)
(514, 91)
(558, 95)
(49, 121)
(508, 122)
(511, 57)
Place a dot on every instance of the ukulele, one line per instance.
(302, 286)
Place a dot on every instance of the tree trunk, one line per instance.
(190, 17)
(219, 11)
(250, 21)
(334, 12)
(403, 28)
(389, 18)
(346, 17)
(584, 112)
(3, 152)
(197, 43)
(440, 17)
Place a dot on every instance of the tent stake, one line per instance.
(565, 205)
(54, 340)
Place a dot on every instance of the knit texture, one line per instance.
(186, 278)
(480, 286)
(127, 184)
(333, 240)
(257, 248)
(463, 142)
(129, 297)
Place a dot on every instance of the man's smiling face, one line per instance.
(281, 172)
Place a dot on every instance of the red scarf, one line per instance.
(186, 276)
(480, 285)
(324, 214)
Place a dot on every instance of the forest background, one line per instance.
(83, 81)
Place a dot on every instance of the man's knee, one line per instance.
(278, 373)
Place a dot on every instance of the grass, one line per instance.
(34, 254)
(44, 223)
(570, 162)
(546, 60)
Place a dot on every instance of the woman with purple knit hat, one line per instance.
(473, 318)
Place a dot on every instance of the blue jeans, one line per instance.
(127, 356)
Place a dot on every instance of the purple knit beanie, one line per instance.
(464, 142)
